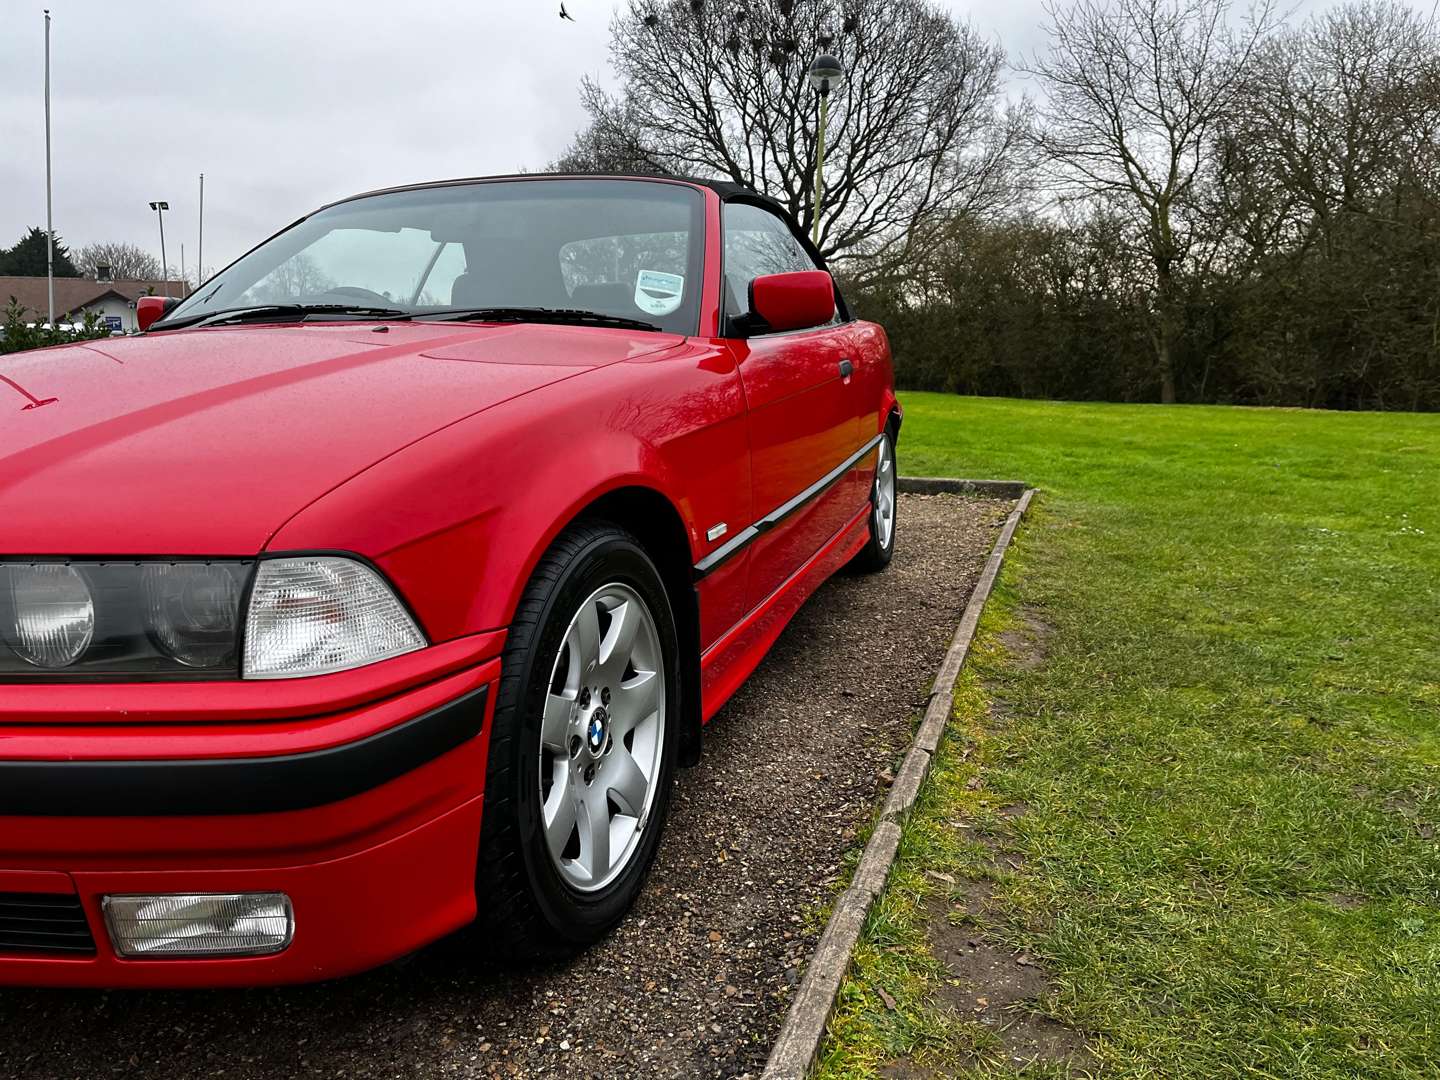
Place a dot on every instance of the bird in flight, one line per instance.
(565, 14)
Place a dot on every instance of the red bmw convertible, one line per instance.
(380, 587)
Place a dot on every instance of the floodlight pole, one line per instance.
(200, 254)
(49, 203)
(160, 207)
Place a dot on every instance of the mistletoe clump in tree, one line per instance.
(917, 130)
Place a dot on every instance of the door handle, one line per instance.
(846, 369)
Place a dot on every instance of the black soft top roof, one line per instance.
(727, 189)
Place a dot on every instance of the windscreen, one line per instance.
(628, 248)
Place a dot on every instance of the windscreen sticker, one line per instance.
(657, 293)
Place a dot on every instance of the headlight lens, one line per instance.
(307, 615)
(52, 613)
(192, 610)
(314, 614)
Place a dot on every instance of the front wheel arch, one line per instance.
(655, 521)
(526, 909)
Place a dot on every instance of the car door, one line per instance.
(803, 411)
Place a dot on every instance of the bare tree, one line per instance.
(611, 142)
(1342, 114)
(719, 88)
(298, 276)
(1335, 148)
(126, 261)
(1133, 91)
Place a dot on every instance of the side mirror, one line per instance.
(794, 301)
(150, 308)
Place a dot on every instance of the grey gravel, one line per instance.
(695, 982)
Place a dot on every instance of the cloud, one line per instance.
(283, 106)
(287, 104)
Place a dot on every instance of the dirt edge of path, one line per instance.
(985, 980)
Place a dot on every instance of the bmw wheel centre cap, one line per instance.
(598, 730)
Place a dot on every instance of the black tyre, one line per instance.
(884, 507)
(582, 754)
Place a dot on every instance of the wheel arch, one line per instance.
(657, 523)
(894, 417)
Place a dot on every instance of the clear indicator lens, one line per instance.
(192, 610)
(51, 613)
(316, 614)
(201, 924)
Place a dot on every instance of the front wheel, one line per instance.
(880, 548)
(582, 754)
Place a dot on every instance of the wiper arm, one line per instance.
(279, 311)
(537, 315)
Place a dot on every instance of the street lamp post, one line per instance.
(826, 73)
(160, 208)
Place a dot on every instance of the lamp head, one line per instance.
(825, 73)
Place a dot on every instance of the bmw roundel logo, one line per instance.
(599, 720)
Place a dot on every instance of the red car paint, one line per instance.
(794, 301)
(450, 455)
(150, 308)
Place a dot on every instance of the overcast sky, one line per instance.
(286, 105)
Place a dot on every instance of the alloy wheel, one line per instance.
(602, 737)
(884, 512)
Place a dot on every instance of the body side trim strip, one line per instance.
(258, 785)
(780, 513)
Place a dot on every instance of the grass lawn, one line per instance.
(1228, 759)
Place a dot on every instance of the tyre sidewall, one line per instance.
(570, 914)
(874, 556)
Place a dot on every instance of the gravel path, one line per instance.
(695, 982)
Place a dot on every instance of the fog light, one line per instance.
(200, 924)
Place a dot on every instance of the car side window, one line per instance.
(757, 243)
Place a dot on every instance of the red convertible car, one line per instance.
(380, 587)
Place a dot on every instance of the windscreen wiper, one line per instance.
(537, 315)
(282, 312)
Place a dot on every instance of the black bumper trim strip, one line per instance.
(259, 785)
(780, 513)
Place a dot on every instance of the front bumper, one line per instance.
(368, 818)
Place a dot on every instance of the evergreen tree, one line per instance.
(27, 257)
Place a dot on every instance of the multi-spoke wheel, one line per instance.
(877, 554)
(582, 753)
(603, 737)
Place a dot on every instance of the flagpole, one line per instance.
(49, 205)
(200, 255)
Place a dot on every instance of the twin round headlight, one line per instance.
(306, 615)
(52, 614)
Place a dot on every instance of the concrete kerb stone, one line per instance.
(949, 485)
(875, 862)
(794, 1051)
(906, 788)
(793, 1054)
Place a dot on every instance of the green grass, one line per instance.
(1230, 755)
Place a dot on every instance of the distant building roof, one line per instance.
(72, 294)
